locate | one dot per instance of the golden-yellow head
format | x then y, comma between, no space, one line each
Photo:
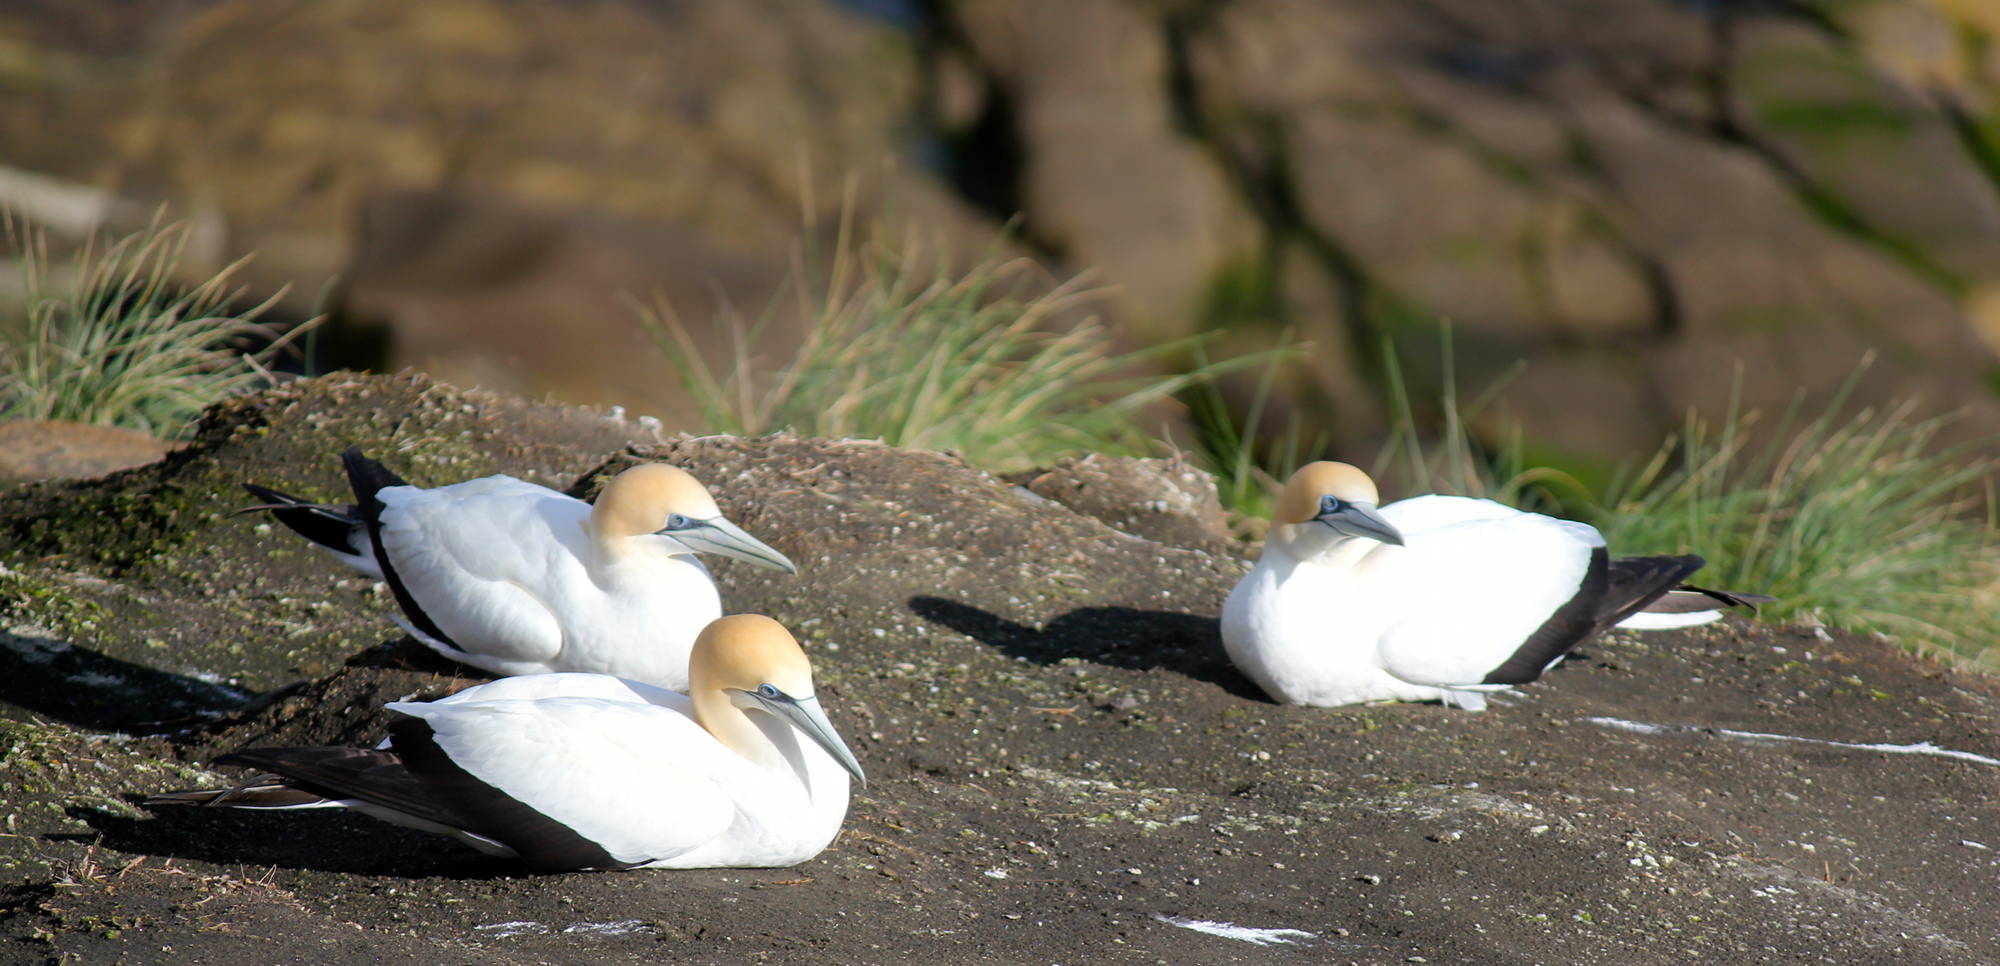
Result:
743,652
1300,500
748,663
642,499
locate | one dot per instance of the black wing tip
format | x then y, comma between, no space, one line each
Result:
1682,566
269,759
367,476
1636,582
543,843
1564,629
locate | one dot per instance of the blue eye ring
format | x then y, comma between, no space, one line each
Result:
677,522
768,691
1329,504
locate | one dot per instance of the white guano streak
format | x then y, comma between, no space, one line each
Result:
1230,930
1920,748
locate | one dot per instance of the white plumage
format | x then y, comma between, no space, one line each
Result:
1435,598
574,771
516,578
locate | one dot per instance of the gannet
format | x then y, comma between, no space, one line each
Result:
587,771
1434,598
516,578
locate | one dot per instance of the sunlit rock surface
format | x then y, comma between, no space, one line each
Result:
1063,766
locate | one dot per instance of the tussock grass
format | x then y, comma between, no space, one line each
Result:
114,339
993,362
1251,465
1855,517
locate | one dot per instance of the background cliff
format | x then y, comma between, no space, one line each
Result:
1638,197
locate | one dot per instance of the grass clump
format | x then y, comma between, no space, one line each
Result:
991,362
115,339
1856,518
1251,465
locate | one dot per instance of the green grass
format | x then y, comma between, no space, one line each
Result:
115,339
1855,517
1248,463
996,363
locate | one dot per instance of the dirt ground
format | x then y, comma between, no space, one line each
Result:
1063,766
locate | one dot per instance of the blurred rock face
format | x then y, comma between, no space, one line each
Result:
1634,197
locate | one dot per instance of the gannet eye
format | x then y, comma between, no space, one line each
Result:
767,691
676,522
1329,504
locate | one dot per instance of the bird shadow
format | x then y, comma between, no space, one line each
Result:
75,685
317,839
1124,637
406,653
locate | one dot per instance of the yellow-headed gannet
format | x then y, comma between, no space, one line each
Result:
516,578
588,771
1434,598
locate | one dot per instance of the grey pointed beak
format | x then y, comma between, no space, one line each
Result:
718,536
1357,519
806,715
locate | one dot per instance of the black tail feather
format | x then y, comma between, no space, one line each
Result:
332,527
1688,598
257,791
369,775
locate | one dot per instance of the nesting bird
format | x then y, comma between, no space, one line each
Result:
1434,598
588,771
516,578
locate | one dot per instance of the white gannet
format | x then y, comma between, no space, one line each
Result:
516,578
1434,598
588,771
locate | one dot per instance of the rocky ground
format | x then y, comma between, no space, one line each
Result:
1063,766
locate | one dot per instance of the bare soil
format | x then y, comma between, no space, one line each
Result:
1063,766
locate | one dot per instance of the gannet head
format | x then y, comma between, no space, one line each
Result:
654,498
752,663
1330,503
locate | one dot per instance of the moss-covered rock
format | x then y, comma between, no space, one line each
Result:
203,592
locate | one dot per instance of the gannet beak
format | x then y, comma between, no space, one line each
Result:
1358,519
805,714
717,535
